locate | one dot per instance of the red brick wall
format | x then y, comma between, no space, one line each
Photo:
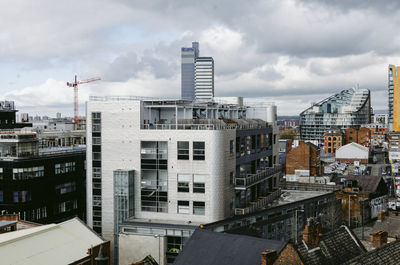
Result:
288,256
303,157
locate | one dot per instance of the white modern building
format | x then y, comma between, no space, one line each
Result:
155,166
204,78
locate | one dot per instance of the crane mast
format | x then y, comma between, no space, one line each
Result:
75,86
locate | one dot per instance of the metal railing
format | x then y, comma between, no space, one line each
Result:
243,182
262,202
206,126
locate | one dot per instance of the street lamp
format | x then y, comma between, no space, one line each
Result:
350,208
295,223
159,256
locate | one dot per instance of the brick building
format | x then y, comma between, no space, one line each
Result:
333,139
379,133
361,136
306,156
365,195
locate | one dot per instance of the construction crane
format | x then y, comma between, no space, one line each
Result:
75,86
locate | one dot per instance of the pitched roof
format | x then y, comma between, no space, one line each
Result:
365,182
387,254
335,247
355,145
208,248
66,243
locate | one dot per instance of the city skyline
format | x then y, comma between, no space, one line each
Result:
319,49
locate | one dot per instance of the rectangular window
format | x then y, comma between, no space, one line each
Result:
198,151
22,196
66,187
199,183
183,150
1,173
183,183
96,140
64,168
1,196
96,156
28,173
183,207
199,208
231,147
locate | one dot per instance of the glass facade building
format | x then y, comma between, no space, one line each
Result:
188,58
349,108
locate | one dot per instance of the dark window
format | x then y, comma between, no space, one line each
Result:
198,151
183,182
199,208
96,163
183,207
183,150
1,196
96,148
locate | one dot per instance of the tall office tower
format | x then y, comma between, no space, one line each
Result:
184,163
349,108
188,56
204,78
394,98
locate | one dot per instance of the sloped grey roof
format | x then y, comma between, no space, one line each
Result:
365,182
335,247
211,248
389,254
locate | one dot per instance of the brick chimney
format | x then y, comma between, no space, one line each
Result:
311,233
378,239
268,257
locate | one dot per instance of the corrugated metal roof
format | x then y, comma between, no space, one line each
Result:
7,223
62,243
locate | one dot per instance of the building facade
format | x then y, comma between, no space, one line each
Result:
360,136
349,108
394,95
303,160
41,185
204,78
333,139
188,58
211,163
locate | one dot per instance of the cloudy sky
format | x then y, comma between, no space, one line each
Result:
287,51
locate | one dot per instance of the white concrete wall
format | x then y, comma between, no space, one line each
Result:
133,248
121,137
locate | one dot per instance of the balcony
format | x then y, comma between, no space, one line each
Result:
261,202
243,182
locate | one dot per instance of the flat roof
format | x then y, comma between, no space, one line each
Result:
290,196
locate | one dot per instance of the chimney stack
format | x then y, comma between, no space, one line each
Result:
268,257
311,233
378,239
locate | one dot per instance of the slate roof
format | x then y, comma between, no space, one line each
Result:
388,254
212,248
335,247
365,182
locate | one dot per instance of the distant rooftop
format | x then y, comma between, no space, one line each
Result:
63,243
290,196
7,106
